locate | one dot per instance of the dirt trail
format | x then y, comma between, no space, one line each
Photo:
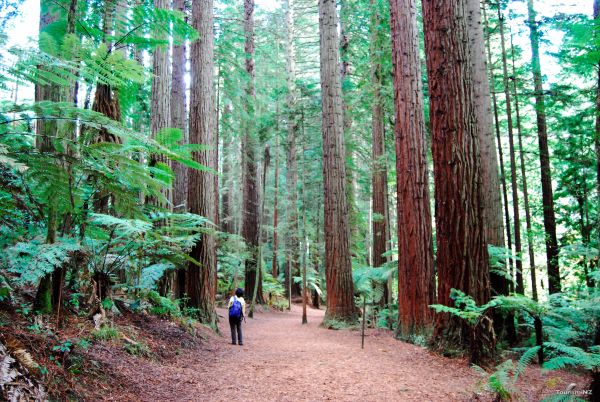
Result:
283,360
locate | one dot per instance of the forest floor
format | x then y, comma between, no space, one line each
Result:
281,360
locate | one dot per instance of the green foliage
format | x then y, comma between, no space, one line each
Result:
562,356
339,324
34,259
163,306
370,282
466,308
388,317
106,333
502,381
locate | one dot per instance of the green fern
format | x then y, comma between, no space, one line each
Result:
34,259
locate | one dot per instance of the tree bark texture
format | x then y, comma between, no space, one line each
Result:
202,280
250,220
462,256
160,103
178,116
226,220
552,250
416,290
338,269
490,176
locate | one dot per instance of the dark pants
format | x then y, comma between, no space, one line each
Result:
236,327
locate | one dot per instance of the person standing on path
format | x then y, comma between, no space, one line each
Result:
237,312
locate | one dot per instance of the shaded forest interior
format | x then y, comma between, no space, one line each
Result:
429,171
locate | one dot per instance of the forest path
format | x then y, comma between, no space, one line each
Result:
283,360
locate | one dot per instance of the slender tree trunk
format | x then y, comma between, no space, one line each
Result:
275,270
292,243
534,292
305,246
251,211
338,269
202,280
520,288
227,219
415,260
255,295
462,256
552,250
500,286
597,131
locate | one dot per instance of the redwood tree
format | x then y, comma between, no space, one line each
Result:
462,256
178,115
338,268
547,196
250,223
178,120
202,280
415,258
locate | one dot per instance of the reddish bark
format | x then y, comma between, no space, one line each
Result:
202,280
251,212
415,258
338,269
462,256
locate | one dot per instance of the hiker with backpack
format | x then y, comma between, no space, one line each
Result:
237,313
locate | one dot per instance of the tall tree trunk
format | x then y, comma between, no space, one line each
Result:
292,243
349,140
178,116
597,130
500,286
534,292
462,256
520,288
202,280
259,267
547,197
492,202
178,120
160,103
379,173
160,119
338,269
274,269
46,131
251,217
415,261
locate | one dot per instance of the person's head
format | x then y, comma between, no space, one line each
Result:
239,292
